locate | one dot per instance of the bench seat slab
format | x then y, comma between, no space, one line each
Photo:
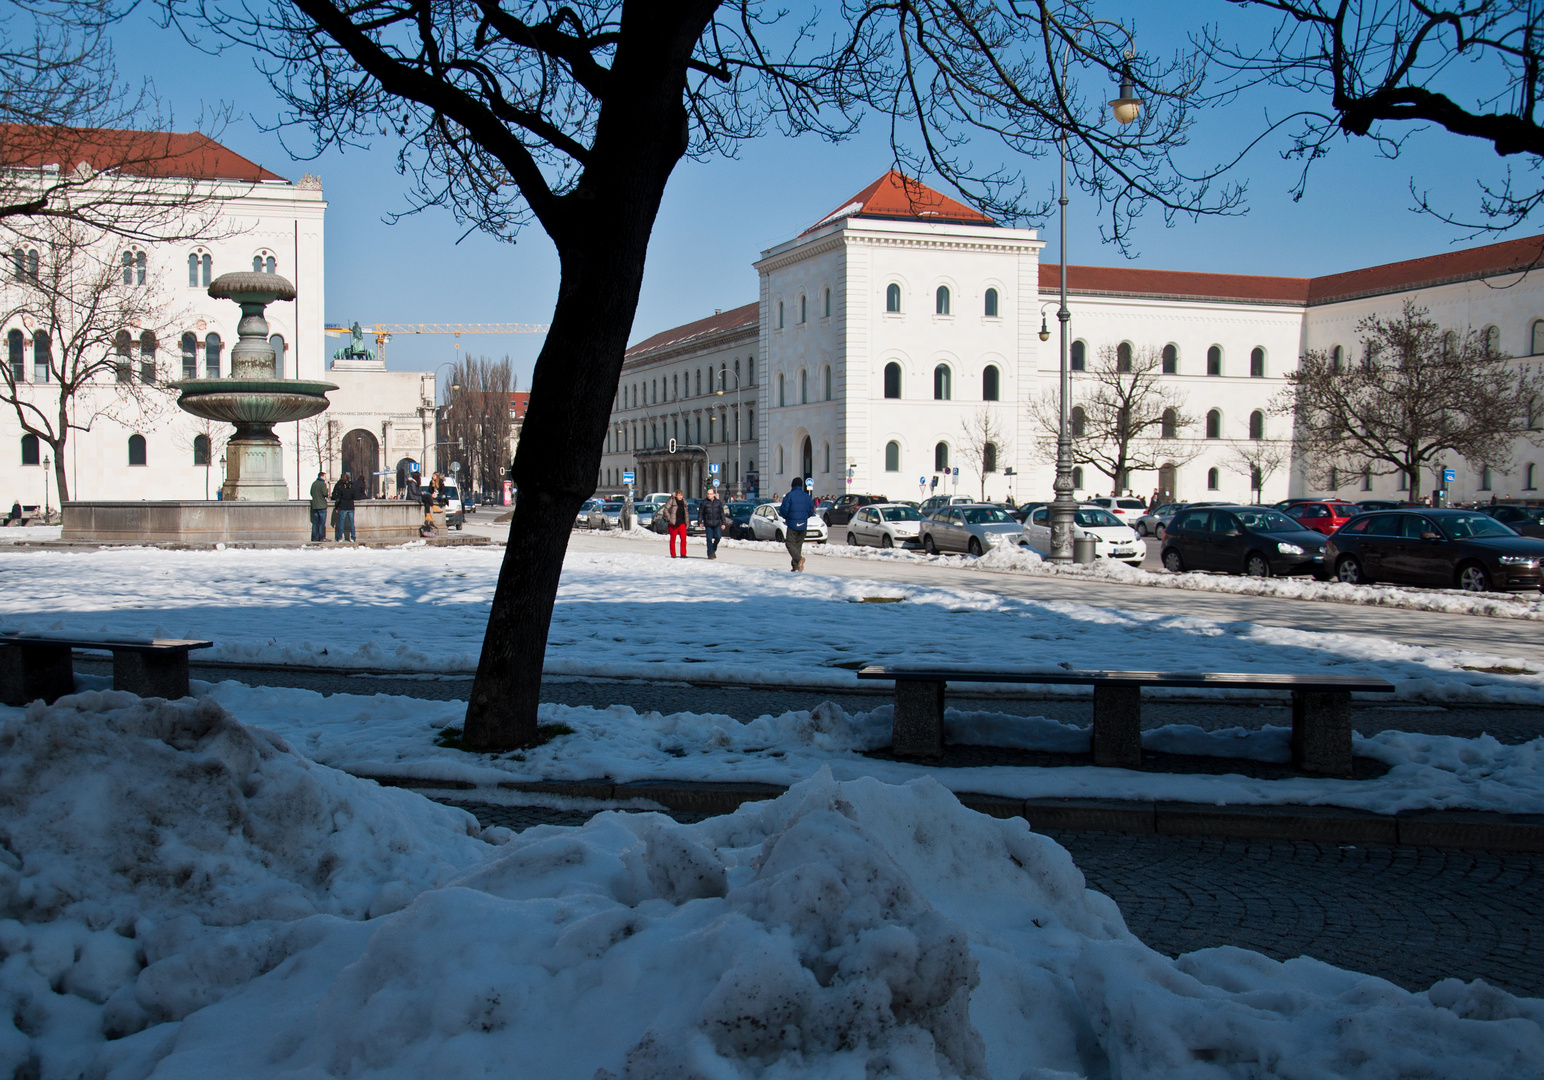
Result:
1117,734
918,727
29,672
152,674
1321,732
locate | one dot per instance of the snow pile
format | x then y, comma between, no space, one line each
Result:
843,930
155,855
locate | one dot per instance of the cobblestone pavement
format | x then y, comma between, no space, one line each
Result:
1410,915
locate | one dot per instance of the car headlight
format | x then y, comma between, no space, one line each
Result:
1289,549
1519,560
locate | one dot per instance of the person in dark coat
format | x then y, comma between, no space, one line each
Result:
710,515
319,508
676,515
343,499
796,510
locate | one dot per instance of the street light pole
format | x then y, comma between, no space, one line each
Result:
723,377
47,464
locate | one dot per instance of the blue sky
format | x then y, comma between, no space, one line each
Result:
718,215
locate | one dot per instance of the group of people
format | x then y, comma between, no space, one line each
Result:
349,489
796,509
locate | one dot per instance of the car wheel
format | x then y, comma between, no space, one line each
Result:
1349,571
1142,528
852,541
885,541
1160,532
1256,565
778,536
928,546
1172,562
975,547
1472,577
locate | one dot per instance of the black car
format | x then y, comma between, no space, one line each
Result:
738,527
841,511
1446,548
1256,540
1525,520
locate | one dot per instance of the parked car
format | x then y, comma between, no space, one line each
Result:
1113,539
973,528
450,500
738,523
606,514
1526,520
692,527
1154,522
589,506
768,524
1322,515
1445,548
1126,508
885,524
842,511
1021,512
1259,541
1364,505
933,502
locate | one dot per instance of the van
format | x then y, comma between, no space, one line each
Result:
455,516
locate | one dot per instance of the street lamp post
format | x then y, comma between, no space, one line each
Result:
47,464
1126,109
723,377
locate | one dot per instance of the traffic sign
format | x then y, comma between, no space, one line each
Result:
672,446
412,466
956,472
627,476
713,468
1449,475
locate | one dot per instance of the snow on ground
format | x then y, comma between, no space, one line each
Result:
16,533
188,896
633,615
390,736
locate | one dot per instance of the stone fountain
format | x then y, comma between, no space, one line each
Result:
255,397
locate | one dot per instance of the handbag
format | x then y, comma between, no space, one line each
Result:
334,517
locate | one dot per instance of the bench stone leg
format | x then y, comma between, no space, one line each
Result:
1321,731
29,672
162,675
918,728
1118,726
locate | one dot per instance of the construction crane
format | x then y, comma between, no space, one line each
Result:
355,350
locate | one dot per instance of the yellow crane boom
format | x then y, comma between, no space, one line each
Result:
384,331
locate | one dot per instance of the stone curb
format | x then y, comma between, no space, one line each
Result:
240,545
1470,829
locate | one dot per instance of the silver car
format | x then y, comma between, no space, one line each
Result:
973,528
885,524
605,514
583,518
768,524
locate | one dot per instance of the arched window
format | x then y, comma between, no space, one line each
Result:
675,387
991,380
1214,360
1530,477
699,382
941,457
1214,424
893,456
29,450
1213,479
1079,422
941,300
1449,342
989,457
276,343
1485,478
1536,340
991,303
780,461
1337,359
1492,338
189,356
827,311
264,263
201,449
782,396
123,345
136,450
212,348
147,349
193,270
943,389
1171,359
804,308
1078,357
892,297
1366,478
1257,425
134,267
42,356
1257,363
826,447
826,379
807,459
16,347
779,314
1077,477
1170,425
804,387
1123,357
892,380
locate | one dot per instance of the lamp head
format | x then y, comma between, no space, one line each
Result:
1128,106
1045,331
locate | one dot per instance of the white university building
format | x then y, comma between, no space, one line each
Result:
139,444
886,330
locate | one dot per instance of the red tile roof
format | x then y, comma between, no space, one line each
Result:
722,322
519,401
188,155
897,196
1509,256
1133,281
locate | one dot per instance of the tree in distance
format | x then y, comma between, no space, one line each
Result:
1260,459
477,421
1417,394
1131,419
984,440
574,116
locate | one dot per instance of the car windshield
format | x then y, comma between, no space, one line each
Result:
449,491
1534,514
1267,521
1091,517
985,515
1468,526
900,513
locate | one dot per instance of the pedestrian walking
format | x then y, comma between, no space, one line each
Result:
710,515
319,508
676,516
343,508
1152,504
796,511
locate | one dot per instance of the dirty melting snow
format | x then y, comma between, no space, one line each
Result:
189,897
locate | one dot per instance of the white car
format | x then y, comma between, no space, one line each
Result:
885,524
1112,540
1126,508
768,524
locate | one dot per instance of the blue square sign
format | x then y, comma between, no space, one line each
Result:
627,476
1449,475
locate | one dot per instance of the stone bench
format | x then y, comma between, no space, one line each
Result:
1321,708
42,665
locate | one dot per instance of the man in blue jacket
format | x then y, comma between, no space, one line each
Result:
796,510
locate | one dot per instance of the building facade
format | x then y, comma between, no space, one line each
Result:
898,340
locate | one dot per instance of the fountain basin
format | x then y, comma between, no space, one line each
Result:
247,402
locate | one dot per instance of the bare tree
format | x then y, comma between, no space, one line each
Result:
1384,68
1417,393
205,439
1125,417
984,441
95,334
575,114
477,419
317,435
1260,459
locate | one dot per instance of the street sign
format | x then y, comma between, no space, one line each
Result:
956,473
455,466
713,468
627,476
412,466
1449,475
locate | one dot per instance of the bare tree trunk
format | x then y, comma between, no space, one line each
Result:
61,479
